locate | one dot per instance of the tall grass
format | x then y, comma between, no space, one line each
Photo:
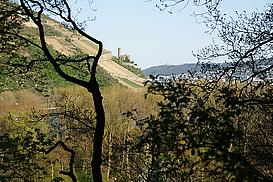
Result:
19,101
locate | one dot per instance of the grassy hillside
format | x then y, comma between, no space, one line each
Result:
41,75
133,69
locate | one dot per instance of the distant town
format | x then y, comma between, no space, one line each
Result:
214,71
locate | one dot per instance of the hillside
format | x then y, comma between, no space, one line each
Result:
169,69
69,43
209,70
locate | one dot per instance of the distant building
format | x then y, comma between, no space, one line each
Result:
120,52
123,57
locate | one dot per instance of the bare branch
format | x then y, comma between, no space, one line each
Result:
71,161
38,22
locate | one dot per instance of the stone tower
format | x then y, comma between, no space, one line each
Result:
120,52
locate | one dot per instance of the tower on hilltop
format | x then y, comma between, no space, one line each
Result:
120,52
123,57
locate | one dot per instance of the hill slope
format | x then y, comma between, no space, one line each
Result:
169,69
68,43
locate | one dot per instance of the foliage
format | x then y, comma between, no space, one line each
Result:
11,22
85,177
203,133
22,150
134,69
121,131
198,134
216,124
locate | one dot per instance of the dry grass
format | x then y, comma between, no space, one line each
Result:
19,101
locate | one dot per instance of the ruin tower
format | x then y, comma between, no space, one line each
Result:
120,52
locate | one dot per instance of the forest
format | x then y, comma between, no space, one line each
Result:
63,118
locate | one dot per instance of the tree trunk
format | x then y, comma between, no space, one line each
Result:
99,131
109,155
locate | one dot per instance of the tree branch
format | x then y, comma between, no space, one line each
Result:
45,49
71,161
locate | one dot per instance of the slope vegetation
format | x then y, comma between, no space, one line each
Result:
68,43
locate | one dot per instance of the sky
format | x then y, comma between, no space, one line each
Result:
152,37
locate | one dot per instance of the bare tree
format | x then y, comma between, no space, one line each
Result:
34,11
171,5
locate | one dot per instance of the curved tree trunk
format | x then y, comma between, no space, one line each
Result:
99,131
39,7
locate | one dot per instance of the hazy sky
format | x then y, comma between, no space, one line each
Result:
152,37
